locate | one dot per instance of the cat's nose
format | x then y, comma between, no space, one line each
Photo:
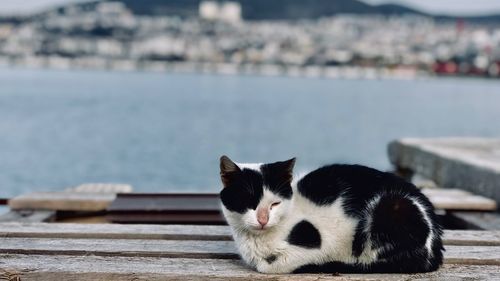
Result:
262,221
262,217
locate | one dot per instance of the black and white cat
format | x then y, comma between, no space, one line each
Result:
338,218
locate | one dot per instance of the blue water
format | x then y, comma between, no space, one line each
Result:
165,132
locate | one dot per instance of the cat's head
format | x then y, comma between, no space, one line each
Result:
255,197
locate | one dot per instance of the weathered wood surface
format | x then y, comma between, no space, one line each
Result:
456,199
486,255
187,232
116,231
41,251
49,268
472,164
124,247
86,197
28,216
101,188
63,201
166,208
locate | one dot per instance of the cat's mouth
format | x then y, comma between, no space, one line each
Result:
261,228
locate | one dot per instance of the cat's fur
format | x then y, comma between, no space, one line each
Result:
338,218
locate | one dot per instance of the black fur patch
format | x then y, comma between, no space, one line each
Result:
243,191
304,234
360,238
271,259
278,177
399,224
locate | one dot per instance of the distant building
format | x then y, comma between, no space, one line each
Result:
112,8
223,11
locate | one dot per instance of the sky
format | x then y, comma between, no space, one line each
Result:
459,7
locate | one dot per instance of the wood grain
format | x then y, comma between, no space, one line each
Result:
28,216
187,232
115,231
101,188
49,268
63,201
456,199
120,247
480,255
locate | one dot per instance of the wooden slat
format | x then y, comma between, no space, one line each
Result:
95,268
187,232
165,202
471,238
183,217
478,255
166,208
115,231
120,247
102,188
486,255
456,199
63,201
28,216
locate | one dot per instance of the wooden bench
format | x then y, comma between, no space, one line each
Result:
41,251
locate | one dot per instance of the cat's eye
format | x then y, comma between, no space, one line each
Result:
275,204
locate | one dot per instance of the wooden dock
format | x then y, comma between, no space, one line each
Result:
466,172
41,251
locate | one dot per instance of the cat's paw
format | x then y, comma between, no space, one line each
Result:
265,267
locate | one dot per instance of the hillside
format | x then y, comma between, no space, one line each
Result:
273,10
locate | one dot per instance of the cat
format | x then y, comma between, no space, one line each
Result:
336,219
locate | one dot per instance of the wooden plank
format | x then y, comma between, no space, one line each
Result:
478,255
166,202
187,232
486,255
189,218
28,216
95,268
116,231
471,238
166,208
63,201
472,164
102,188
456,199
120,247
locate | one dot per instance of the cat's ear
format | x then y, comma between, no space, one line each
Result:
228,169
284,168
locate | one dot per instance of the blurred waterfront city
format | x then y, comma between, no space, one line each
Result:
216,38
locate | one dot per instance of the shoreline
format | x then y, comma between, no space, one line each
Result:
263,70
266,70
